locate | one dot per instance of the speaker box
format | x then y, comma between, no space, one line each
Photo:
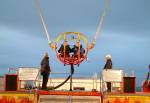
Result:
11,82
129,84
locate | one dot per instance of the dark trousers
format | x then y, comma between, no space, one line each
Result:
45,79
108,86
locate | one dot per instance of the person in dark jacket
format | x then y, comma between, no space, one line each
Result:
45,70
61,49
75,50
108,65
67,50
82,50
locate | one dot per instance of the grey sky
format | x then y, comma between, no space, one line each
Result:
125,33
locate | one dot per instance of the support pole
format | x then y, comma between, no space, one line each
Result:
71,72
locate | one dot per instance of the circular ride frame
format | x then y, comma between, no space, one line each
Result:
71,60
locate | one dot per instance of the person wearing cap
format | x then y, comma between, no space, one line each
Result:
45,70
108,65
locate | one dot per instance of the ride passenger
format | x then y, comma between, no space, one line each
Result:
61,49
45,70
67,50
82,50
75,51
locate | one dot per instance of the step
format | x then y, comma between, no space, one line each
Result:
68,99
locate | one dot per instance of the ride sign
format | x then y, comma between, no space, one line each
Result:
28,73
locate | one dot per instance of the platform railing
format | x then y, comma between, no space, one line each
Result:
80,82
114,77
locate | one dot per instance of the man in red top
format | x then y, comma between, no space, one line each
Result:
146,84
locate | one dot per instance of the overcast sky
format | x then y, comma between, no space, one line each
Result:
125,33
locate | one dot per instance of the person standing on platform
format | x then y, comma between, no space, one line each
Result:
108,65
146,84
45,70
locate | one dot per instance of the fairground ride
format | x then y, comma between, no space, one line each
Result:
71,59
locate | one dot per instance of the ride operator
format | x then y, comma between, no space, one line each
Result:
108,65
45,70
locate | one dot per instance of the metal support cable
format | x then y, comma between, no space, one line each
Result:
37,5
105,12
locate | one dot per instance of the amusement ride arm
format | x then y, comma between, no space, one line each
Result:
105,12
37,4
